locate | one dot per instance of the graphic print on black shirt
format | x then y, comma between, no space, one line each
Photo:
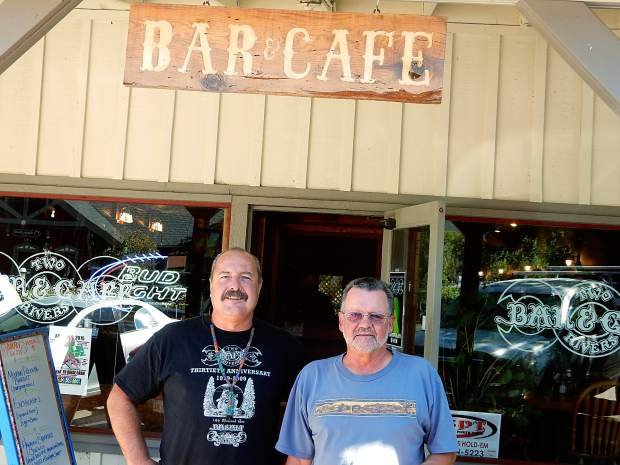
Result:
216,394
180,362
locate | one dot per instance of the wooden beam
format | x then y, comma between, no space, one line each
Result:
24,22
586,44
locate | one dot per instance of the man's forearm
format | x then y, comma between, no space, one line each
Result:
126,425
440,459
297,461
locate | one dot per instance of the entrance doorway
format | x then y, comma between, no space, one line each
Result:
307,260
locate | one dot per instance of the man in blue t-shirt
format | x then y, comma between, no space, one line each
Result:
370,405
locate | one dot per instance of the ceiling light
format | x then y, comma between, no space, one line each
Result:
513,225
156,226
124,216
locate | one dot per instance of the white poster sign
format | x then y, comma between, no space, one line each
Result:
33,428
477,433
70,349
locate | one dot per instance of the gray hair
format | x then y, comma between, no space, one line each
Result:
238,249
370,284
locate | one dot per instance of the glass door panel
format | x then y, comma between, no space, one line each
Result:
412,260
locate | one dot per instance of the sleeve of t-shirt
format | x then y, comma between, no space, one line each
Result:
441,437
141,378
295,435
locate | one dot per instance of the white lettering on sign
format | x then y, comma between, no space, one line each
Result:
409,59
159,34
248,40
51,287
289,52
200,33
583,317
164,32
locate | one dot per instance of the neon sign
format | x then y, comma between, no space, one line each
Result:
51,287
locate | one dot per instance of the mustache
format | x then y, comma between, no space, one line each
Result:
235,294
364,332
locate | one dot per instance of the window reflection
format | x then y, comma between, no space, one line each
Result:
123,270
530,325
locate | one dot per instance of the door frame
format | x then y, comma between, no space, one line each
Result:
432,214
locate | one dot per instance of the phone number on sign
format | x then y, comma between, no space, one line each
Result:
471,453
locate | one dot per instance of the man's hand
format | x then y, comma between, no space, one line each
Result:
126,425
297,461
440,459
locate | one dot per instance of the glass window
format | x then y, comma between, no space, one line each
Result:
121,270
531,330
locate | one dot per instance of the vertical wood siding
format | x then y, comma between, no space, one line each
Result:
516,123
107,103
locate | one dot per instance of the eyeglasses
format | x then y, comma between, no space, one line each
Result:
373,318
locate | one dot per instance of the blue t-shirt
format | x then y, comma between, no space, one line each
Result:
338,418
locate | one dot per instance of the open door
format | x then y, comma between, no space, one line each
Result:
412,260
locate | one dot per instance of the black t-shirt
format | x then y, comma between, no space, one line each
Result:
179,361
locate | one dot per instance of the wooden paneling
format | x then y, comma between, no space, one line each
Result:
194,139
516,122
285,146
376,153
584,182
473,89
605,151
20,96
458,12
424,152
240,142
421,167
330,162
515,118
107,102
149,134
538,120
562,128
65,73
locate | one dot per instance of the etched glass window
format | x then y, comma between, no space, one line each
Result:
530,331
104,276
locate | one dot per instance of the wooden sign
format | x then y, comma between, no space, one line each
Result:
322,54
32,423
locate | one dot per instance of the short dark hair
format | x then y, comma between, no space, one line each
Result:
370,284
238,249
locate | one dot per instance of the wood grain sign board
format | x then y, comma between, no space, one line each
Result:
319,54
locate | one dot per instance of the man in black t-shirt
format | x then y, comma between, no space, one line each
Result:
221,378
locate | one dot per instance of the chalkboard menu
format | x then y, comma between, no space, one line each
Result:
32,424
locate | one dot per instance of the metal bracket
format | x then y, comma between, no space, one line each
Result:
388,223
